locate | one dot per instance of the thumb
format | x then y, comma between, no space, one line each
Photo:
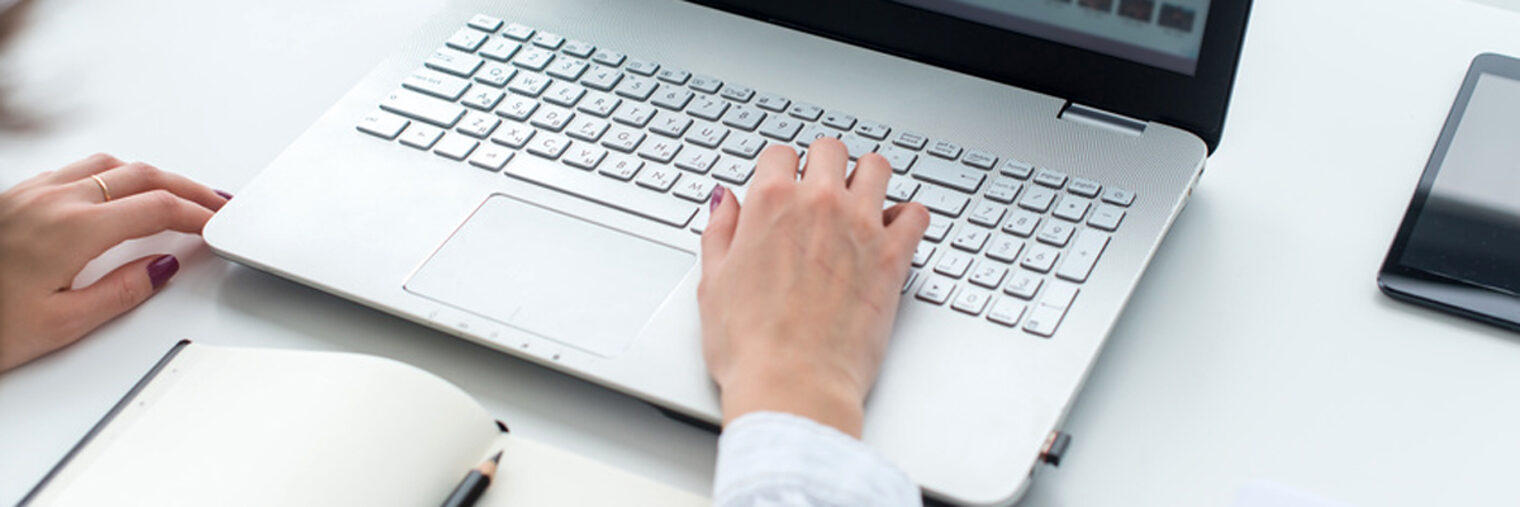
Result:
720,226
120,290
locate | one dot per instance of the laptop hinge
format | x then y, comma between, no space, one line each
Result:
1094,117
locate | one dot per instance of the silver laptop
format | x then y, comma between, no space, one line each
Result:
532,176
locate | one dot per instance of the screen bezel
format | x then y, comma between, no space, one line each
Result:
1470,298
1196,103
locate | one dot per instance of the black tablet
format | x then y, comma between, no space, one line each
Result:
1458,248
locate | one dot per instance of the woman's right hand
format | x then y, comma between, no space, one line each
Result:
54,224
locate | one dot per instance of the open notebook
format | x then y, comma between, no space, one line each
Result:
233,426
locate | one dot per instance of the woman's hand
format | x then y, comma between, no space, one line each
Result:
800,288
55,223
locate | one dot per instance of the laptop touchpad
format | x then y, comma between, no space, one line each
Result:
553,275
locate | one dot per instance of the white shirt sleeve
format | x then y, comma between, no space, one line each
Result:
777,459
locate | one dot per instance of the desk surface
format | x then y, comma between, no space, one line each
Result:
1256,347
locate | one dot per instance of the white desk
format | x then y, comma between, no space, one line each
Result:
1257,346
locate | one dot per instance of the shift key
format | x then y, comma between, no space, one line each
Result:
949,174
422,108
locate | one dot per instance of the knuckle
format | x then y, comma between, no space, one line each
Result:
103,158
162,202
125,293
144,172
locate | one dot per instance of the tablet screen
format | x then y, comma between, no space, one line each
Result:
1469,227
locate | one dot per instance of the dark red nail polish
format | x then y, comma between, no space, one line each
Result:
224,194
717,198
161,269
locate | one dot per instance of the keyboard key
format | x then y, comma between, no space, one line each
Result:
1056,233
939,227
467,39
587,128
899,158
1040,258
949,174
383,125
437,84
608,57
518,31
1072,208
1021,223
1084,187
839,120
1047,315
660,150
602,78
953,264
1037,199
1003,189
816,132
564,94
901,189
599,104
744,118
936,290
513,135
873,130
922,253
805,111
706,84
988,274
658,178
1006,312
607,191
642,67
621,167
1023,285
733,170
669,124
517,108
672,98
528,85
1082,256
1119,196
1004,248
500,50
1050,178
634,114
623,139
421,136
495,74
737,93
548,145
490,157
548,40
637,88
484,22
707,107
1017,169
585,156
910,140
706,135
533,59
1106,217
578,48
696,160
695,189
743,145
568,69
781,128
453,62
422,108
987,214
772,102
551,118
971,301
858,146
478,125
673,76
971,239
979,159
942,200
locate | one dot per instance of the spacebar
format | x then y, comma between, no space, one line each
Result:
606,191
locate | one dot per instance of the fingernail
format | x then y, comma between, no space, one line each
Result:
161,269
716,199
224,194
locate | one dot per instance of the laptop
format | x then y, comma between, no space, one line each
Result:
532,176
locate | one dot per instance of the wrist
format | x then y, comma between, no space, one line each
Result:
830,400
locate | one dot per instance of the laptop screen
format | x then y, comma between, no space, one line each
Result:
1161,33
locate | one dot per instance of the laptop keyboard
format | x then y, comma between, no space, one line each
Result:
1008,242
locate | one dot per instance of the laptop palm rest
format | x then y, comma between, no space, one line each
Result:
553,275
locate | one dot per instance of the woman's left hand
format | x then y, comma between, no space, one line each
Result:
54,224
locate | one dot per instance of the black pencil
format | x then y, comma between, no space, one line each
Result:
474,484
